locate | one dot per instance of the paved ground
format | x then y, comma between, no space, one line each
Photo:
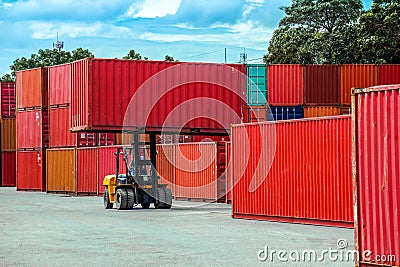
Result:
37,229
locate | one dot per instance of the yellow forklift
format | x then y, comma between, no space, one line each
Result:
139,184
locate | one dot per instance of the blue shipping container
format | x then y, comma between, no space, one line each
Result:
256,84
285,113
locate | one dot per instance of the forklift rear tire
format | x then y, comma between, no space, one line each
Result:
164,199
106,198
121,199
130,198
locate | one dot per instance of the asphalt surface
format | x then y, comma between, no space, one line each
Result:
38,229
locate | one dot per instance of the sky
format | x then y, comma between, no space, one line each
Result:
188,30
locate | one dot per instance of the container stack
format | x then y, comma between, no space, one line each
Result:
72,158
32,129
8,146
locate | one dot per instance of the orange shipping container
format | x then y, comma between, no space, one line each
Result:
321,111
32,88
60,169
196,172
8,137
126,139
166,165
360,76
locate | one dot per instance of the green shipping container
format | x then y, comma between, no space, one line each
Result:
256,84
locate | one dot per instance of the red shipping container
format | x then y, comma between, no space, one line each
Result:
107,164
165,164
255,114
59,85
388,74
31,88
86,175
32,129
31,170
321,84
376,165
360,76
197,172
297,171
208,138
103,88
285,85
7,99
229,184
8,169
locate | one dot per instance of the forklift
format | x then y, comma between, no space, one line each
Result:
136,186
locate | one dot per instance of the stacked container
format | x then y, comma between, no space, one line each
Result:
31,128
285,92
8,138
376,169
68,151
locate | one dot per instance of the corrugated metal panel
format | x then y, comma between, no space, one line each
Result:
256,84
310,176
32,88
285,85
102,90
8,137
165,164
376,165
321,84
32,129
359,76
8,168
59,128
31,173
229,184
285,113
345,110
106,139
321,111
388,74
8,100
196,171
255,114
59,85
86,178
107,164
61,170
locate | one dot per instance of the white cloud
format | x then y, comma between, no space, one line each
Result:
48,30
6,5
251,5
154,8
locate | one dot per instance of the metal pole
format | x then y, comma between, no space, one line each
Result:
225,55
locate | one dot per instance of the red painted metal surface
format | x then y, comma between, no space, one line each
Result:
31,170
285,85
376,169
59,85
8,100
103,88
107,164
388,74
8,169
321,84
310,176
255,114
32,129
32,88
228,165
8,135
197,172
360,76
165,163
86,175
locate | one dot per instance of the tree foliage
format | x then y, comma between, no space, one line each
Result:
132,55
6,78
317,32
48,57
170,58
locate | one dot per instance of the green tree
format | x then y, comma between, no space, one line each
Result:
170,58
316,32
132,55
380,33
48,57
6,78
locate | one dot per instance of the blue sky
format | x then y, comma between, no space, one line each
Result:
188,30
